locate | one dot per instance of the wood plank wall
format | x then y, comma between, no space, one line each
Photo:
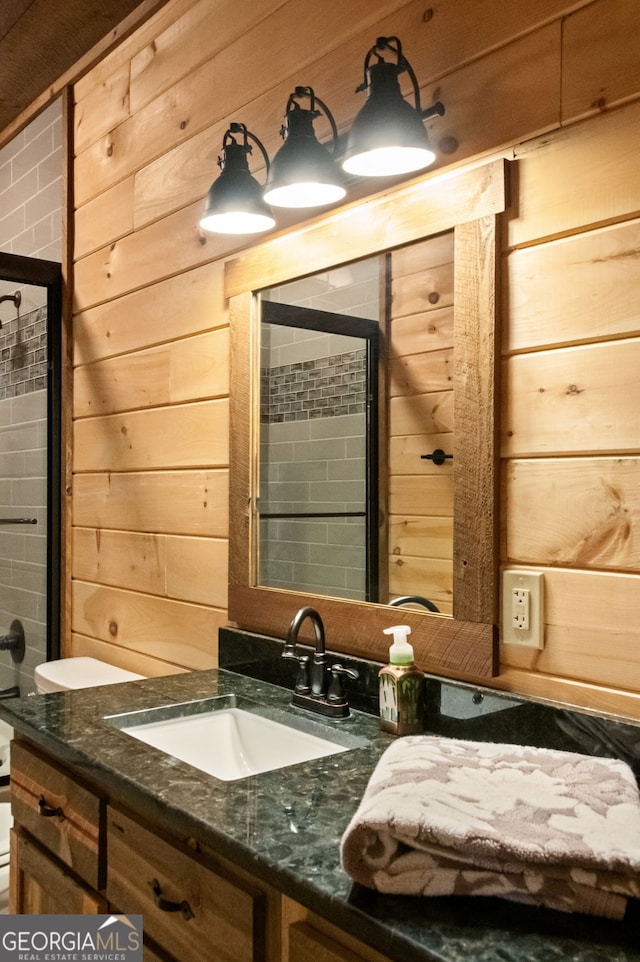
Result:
553,85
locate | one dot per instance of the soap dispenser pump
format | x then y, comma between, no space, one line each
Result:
401,687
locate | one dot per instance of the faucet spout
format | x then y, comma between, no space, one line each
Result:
296,624
317,669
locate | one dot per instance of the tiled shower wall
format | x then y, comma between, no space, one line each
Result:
31,168
31,189
313,458
313,443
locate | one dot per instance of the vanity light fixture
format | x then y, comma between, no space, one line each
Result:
304,173
235,202
388,134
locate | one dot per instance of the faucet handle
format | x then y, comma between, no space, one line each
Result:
336,693
303,682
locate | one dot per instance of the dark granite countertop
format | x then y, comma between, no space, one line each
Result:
285,826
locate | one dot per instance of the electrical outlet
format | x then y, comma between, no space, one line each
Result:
522,608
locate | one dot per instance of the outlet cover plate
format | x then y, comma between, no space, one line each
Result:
533,583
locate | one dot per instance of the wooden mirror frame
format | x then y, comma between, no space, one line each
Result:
469,202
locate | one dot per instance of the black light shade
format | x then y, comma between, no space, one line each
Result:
388,135
235,204
303,172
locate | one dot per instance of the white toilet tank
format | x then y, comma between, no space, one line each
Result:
79,672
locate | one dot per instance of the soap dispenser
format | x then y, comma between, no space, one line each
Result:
401,687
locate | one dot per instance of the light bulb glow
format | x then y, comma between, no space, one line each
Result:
304,194
236,222
386,161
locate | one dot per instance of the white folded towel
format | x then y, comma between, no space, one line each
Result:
443,816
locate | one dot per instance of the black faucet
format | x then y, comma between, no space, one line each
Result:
312,688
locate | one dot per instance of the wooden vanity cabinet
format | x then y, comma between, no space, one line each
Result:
189,908
309,937
73,851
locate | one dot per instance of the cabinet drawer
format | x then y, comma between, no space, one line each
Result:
65,816
41,886
190,910
306,942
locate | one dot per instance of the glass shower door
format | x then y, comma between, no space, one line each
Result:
29,469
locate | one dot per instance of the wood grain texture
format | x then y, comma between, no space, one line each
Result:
184,370
441,644
227,919
579,512
611,72
305,943
188,435
475,527
575,400
577,289
74,835
166,502
585,176
176,632
189,303
190,569
148,665
40,886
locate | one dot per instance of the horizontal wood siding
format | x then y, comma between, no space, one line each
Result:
553,86
571,397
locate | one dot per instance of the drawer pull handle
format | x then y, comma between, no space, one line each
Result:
165,905
47,811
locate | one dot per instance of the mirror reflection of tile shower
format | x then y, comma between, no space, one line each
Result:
318,514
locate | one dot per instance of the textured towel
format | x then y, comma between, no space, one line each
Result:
441,816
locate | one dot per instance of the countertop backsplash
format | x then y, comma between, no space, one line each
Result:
453,709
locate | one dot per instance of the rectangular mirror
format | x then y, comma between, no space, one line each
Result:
422,404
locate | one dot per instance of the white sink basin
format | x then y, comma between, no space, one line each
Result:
227,742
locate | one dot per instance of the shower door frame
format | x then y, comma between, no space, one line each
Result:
48,274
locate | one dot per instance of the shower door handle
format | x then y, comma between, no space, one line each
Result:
18,520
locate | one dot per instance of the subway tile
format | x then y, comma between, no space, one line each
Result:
31,155
352,492
50,169
347,469
13,223
13,466
24,243
342,556
51,116
43,202
22,189
318,450
302,471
